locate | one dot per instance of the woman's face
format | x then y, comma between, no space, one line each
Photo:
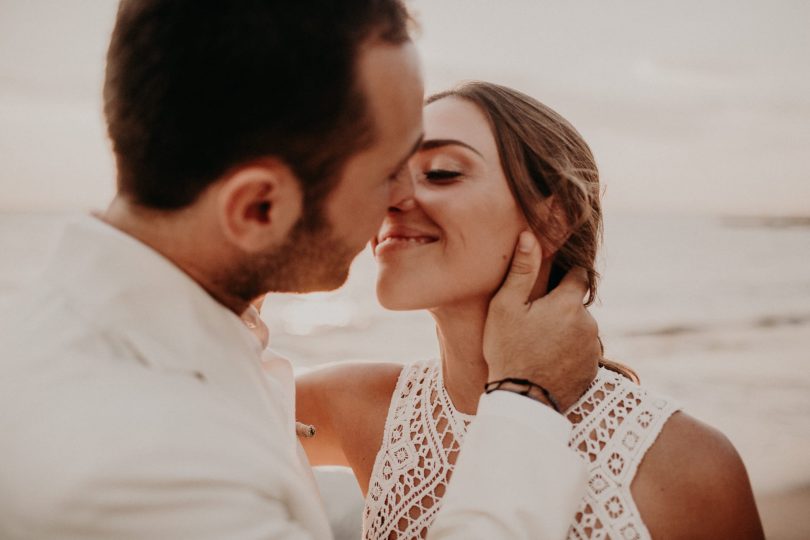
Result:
451,239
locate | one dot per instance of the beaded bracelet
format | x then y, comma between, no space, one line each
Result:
527,384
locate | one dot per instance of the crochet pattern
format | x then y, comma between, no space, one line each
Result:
614,424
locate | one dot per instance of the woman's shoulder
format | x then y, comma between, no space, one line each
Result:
357,380
357,386
690,481
348,403
689,452
693,481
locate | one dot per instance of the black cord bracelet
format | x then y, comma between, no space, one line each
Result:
528,385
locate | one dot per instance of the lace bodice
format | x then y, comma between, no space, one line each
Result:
614,424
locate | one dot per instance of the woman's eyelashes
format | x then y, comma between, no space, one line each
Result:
439,176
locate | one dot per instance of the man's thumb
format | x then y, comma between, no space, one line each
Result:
525,266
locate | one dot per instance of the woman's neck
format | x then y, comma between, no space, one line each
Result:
460,329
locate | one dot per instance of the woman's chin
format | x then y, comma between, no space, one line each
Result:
398,303
398,299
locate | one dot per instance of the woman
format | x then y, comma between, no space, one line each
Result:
495,162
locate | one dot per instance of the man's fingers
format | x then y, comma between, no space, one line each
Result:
574,284
523,272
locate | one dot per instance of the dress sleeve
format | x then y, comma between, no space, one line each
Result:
515,478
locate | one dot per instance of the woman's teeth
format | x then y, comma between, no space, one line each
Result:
406,240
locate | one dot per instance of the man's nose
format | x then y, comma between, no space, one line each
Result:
402,191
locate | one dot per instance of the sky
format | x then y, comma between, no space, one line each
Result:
695,107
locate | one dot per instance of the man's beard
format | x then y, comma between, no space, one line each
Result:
311,259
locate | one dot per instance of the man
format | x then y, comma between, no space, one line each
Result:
257,146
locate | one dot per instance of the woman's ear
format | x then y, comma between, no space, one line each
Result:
258,204
556,227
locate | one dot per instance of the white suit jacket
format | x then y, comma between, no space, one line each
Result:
134,406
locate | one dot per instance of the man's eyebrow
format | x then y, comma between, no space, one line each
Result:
438,143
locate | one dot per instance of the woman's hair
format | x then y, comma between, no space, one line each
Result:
543,156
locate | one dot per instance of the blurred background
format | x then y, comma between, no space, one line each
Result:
699,116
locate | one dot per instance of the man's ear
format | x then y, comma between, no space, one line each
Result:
556,228
258,203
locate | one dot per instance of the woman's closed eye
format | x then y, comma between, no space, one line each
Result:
439,176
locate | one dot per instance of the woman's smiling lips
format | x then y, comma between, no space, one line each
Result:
398,237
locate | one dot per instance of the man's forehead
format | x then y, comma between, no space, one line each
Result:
414,149
391,78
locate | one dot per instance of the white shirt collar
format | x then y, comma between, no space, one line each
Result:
141,300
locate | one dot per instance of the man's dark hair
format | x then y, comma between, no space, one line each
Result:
196,87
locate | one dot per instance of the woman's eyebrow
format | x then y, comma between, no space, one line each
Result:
438,143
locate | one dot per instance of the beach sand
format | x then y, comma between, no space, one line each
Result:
785,514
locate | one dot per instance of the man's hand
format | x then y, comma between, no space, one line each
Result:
552,341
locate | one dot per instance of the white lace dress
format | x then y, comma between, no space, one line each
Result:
614,424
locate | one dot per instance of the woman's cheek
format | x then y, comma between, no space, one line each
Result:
488,266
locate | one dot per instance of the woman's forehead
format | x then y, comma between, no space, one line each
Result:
453,118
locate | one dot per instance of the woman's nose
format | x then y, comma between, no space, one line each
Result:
402,192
